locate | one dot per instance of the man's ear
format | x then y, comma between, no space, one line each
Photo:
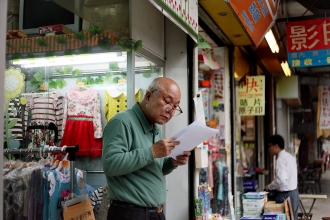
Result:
147,96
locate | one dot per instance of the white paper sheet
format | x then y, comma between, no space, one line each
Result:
190,137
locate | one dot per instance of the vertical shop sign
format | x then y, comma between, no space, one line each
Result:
184,13
325,108
256,16
308,43
251,96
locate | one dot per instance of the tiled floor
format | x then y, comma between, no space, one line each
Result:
321,207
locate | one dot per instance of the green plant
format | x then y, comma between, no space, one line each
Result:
95,30
85,49
129,44
9,45
16,56
113,66
50,54
41,42
61,40
79,36
104,43
69,52
31,56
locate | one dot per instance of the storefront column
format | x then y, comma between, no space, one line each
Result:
3,23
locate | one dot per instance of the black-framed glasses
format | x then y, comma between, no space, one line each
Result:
169,108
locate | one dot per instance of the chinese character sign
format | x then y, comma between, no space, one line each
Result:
308,43
255,16
184,13
325,108
251,96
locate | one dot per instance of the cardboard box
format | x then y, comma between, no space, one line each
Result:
256,195
56,28
257,210
272,206
253,203
274,216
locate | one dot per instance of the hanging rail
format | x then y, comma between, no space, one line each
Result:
71,150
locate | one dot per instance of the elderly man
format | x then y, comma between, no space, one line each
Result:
135,156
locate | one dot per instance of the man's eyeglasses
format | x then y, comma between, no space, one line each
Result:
169,108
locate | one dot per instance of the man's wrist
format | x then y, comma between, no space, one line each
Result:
174,164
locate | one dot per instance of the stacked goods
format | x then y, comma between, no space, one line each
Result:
203,202
278,211
253,204
250,185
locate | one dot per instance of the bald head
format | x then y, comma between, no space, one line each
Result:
161,95
163,84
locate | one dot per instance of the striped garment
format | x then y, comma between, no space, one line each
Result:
15,113
44,109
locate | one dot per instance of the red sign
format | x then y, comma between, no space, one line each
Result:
308,35
255,16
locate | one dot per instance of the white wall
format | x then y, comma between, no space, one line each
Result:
177,203
147,24
3,23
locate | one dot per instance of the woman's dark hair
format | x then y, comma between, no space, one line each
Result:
276,139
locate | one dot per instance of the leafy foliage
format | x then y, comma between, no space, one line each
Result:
61,40
31,56
69,52
50,54
104,43
41,42
9,45
79,36
95,30
113,66
16,56
85,49
129,44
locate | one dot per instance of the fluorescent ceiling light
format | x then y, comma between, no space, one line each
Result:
137,64
286,68
74,60
272,43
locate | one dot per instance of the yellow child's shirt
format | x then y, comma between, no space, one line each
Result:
117,101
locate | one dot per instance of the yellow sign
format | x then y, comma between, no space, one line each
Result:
251,96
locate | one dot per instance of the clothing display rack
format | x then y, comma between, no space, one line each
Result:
71,150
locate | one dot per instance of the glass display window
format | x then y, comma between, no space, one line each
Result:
69,100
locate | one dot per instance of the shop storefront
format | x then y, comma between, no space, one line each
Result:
52,81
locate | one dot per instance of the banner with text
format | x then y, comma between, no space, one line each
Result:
184,13
256,16
251,96
308,43
325,108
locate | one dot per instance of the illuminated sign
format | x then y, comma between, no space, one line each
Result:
308,43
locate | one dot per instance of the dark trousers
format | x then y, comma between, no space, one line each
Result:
294,199
130,213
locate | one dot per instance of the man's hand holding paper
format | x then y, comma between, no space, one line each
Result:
190,137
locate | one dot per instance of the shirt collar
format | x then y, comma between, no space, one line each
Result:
281,153
144,121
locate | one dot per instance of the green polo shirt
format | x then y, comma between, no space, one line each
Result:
133,175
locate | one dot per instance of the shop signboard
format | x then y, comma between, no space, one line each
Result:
308,43
256,16
184,13
325,108
251,96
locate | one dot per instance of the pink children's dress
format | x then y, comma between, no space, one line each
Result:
82,122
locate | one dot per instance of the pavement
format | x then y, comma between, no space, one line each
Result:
321,207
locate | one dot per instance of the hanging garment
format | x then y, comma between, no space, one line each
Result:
15,113
59,182
44,109
100,202
115,100
82,122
